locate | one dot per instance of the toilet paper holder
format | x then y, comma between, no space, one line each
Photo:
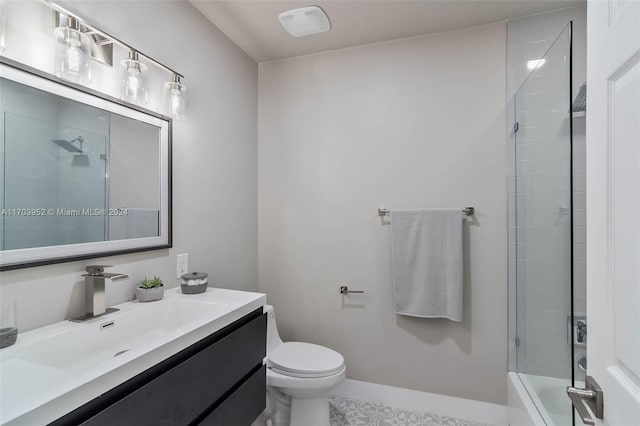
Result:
345,290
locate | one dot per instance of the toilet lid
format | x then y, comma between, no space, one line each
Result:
298,358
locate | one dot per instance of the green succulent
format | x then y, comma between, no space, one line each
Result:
151,283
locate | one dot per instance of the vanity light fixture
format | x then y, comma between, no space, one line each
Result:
175,98
72,53
76,41
133,76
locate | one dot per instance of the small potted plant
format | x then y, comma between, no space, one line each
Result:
149,290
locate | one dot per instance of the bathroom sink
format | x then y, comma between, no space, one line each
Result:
54,369
134,327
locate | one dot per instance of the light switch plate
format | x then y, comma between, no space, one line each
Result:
182,265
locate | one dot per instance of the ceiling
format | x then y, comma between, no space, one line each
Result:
253,24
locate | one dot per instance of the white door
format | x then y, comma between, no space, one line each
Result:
613,206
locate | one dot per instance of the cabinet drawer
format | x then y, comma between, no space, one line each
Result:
184,392
244,405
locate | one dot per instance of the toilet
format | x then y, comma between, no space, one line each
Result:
299,378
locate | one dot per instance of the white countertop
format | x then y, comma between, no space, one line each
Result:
52,370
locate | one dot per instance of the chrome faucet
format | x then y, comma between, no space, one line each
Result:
96,301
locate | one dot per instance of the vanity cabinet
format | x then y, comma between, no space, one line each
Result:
219,380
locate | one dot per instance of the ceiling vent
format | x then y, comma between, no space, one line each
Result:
305,21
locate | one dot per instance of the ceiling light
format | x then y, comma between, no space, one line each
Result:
305,21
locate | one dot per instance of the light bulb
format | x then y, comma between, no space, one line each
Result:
133,80
74,59
175,98
177,103
133,85
72,53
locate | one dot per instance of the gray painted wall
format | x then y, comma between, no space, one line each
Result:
409,123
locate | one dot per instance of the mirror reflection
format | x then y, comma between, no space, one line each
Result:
73,173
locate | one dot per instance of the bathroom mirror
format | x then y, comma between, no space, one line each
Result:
83,175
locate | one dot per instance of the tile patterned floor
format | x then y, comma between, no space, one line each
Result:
351,412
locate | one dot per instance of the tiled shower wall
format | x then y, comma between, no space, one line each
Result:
528,38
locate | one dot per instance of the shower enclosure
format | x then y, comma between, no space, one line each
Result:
547,329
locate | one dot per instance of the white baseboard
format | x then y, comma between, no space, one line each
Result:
477,411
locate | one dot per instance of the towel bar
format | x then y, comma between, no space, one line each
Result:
469,211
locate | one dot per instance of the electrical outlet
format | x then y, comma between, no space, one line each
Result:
182,265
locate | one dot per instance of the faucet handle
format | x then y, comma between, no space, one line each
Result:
96,269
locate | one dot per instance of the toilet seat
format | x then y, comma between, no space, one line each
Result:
311,384
304,360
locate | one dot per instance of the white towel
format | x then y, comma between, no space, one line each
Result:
427,262
142,223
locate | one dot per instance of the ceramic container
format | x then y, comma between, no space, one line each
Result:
194,282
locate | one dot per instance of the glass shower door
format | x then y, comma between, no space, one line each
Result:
544,231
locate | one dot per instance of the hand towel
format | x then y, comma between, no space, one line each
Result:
427,262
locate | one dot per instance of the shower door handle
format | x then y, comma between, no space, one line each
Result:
591,396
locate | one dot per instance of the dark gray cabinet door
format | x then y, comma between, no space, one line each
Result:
243,406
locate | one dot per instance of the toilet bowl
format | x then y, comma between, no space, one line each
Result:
299,378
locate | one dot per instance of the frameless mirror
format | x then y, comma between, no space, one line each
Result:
83,175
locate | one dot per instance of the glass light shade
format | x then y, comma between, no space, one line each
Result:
175,100
72,55
133,81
